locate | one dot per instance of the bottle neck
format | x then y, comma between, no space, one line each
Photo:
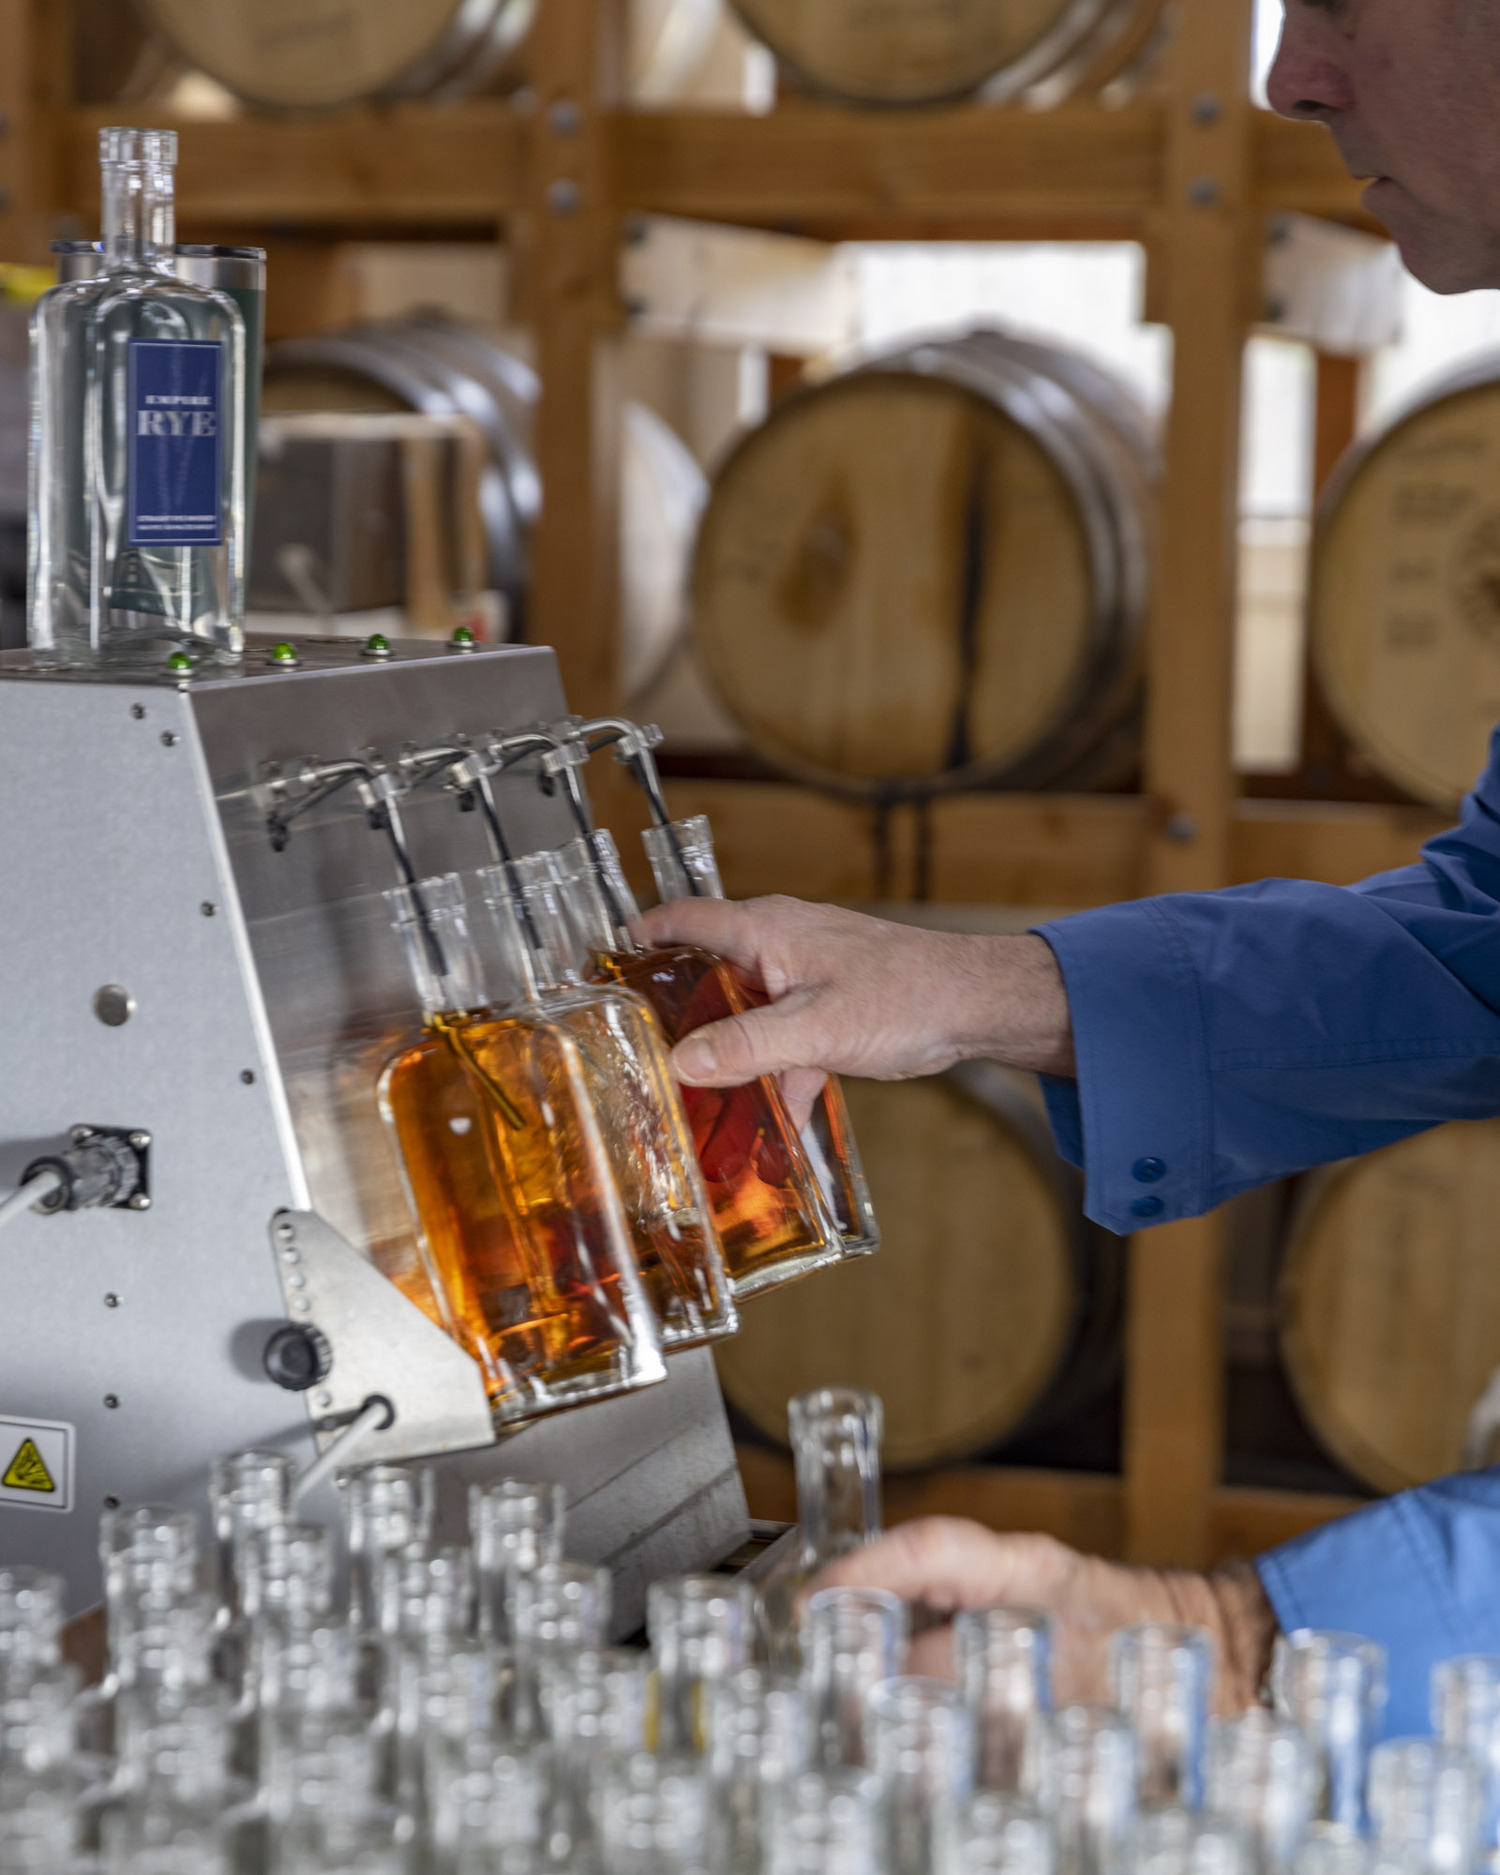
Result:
139,217
836,1452
683,860
439,950
596,894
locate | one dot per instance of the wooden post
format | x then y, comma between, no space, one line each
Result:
33,66
571,250
1210,249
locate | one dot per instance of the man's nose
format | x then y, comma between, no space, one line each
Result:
1308,77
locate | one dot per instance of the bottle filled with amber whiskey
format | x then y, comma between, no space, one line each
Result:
646,1133
523,1229
772,1218
685,865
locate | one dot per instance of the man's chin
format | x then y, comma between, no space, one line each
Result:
1443,255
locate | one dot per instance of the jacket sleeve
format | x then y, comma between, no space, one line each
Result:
1415,1572
1228,1038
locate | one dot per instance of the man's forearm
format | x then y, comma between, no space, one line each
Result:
1017,1005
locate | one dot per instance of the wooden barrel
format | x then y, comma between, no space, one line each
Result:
914,52
1404,605
306,54
932,572
993,1304
442,368
1390,1302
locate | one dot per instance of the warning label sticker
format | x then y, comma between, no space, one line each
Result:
36,1464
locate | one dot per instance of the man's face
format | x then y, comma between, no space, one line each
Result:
1410,90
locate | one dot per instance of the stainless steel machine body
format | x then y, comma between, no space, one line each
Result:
170,973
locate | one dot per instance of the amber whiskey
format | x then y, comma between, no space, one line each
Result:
523,1230
772,1220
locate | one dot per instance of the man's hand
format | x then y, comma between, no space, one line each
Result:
948,1564
856,995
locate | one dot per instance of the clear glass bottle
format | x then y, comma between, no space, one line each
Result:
522,1226
1466,1715
1333,1686
773,1221
137,504
645,1130
852,1639
1080,1768
919,1742
516,1526
702,1628
1162,1676
1261,1774
685,865
1004,1661
835,1433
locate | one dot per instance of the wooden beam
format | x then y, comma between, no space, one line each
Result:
570,245
1084,1509
1025,849
35,58
406,164
866,167
1298,166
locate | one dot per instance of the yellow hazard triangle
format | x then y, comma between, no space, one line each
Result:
27,1471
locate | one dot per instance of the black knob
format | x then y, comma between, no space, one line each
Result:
298,1357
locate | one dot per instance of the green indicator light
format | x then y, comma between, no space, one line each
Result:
462,635
284,653
377,641
179,661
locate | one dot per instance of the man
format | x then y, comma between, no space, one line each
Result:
1198,1045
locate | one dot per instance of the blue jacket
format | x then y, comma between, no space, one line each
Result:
1228,1038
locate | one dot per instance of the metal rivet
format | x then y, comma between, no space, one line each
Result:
111,1400
78,1134
296,1280
138,711
1206,108
564,197
564,119
169,740
208,908
139,1202
1203,191
113,1005
111,1502
323,1399
247,1075
301,1305
289,1255
140,1139
111,1302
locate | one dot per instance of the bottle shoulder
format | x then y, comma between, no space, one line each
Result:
144,303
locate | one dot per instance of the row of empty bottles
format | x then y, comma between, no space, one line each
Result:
579,1213
460,1709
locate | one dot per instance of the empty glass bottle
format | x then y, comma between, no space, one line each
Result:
1261,1773
516,1526
1466,1716
1080,1768
919,1742
769,1210
1004,1661
522,1226
137,540
248,1491
646,1133
836,1434
1333,1686
1427,1804
1162,1676
997,1833
852,1639
702,1628
387,1508
824,1823
685,865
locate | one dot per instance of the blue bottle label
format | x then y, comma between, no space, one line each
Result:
176,442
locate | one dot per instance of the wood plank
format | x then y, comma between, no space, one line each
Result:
1084,1509
871,166
1024,849
1336,842
1298,166
405,164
